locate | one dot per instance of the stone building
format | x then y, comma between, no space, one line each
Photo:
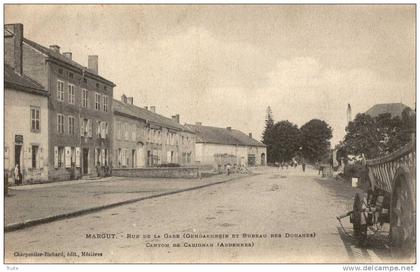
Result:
221,146
143,138
79,107
26,123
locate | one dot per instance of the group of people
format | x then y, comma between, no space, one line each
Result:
291,164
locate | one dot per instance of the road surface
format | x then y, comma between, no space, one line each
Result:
278,216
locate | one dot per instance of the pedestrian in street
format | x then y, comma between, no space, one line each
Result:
303,166
17,174
228,169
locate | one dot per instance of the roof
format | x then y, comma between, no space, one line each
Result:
21,82
149,116
216,135
55,55
395,109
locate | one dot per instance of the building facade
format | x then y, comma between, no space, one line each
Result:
143,138
25,127
221,146
79,108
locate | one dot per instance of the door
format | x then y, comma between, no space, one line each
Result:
140,155
85,161
133,158
18,150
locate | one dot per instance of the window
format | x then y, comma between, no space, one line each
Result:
98,129
34,156
60,90
105,102
70,75
35,121
97,101
60,123
73,156
85,98
71,93
60,71
71,125
60,156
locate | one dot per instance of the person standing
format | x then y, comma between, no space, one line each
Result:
303,166
17,175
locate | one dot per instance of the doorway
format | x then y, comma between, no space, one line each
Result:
133,158
263,159
18,151
85,161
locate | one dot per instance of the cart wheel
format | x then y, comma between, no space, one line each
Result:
359,225
402,231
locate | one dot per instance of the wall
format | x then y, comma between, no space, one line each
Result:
158,172
17,110
205,153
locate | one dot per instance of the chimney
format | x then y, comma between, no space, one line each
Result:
55,48
68,55
153,108
175,118
250,135
13,54
130,100
198,123
229,128
124,98
146,107
93,63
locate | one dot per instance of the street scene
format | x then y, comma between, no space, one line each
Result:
154,134
298,208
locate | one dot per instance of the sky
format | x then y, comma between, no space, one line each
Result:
222,65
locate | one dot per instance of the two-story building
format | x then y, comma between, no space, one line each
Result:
79,109
25,115
143,138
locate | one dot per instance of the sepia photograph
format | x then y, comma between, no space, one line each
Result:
210,134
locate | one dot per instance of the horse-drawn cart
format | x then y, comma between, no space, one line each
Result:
390,197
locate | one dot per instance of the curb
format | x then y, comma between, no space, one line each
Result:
39,221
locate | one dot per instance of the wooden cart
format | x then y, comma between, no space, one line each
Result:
390,198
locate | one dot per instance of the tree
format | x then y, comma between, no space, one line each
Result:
315,139
378,136
285,141
267,134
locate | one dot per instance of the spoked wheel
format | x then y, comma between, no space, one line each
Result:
403,218
358,220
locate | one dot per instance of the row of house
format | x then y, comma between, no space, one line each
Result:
62,122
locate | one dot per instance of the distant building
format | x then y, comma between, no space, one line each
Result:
221,146
395,109
349,116
79,106
143,138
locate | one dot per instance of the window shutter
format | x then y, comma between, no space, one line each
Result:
77,156
106,130
67,159
82,129
96,157
41,157
90,128
55,157
103,130
103,157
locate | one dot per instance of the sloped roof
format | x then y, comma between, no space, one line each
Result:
148,116
395,109
216,135
21,82
55,55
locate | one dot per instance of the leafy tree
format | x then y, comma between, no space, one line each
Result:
267,134
378,136
285,141
315,140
